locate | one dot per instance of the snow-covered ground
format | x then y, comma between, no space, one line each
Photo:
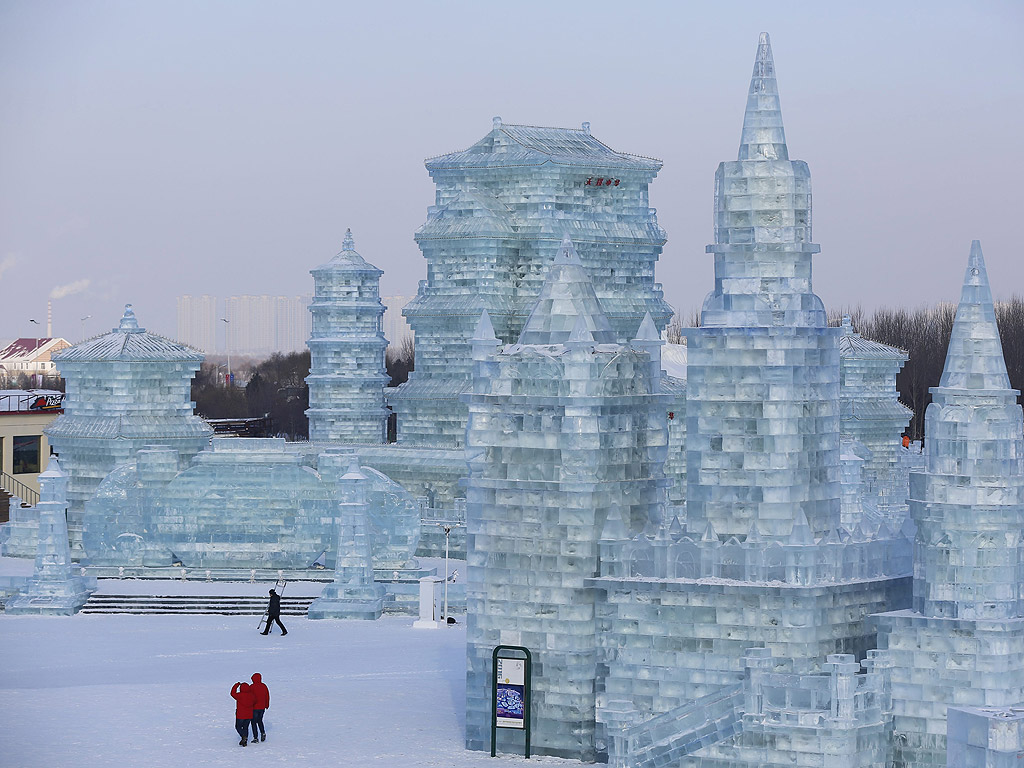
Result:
150,691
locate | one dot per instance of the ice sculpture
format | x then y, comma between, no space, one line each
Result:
870,410
502,207
393,516
347,377
963,642
353,593
125,389
244,503
762,417
984,737
563,429
54,588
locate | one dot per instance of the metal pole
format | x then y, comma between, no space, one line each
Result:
447,530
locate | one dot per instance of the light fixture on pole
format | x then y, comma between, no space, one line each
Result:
447,531
83,319
227,346
35,349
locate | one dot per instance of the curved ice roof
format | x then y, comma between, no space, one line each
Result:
853,345
348,259
130,343
511,145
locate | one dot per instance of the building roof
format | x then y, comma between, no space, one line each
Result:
129,343
526,145
28,349
348,259
854,346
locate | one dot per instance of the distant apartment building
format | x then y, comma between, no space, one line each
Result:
262,325
30,357
197,322
396,327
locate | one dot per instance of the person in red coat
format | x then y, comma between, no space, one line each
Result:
242,694
260,703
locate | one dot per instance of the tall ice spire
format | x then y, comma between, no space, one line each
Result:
974,359
763,134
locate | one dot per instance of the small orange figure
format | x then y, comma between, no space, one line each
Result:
906,441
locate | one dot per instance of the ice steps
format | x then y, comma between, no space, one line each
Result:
227,605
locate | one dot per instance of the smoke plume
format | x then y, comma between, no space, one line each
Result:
66,290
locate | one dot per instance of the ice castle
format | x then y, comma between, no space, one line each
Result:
718,554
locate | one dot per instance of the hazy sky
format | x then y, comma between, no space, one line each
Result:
152,149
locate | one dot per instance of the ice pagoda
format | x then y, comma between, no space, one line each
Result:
347,376
125,389
502,208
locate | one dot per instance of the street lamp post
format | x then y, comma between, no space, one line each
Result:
35,349
227,346
83,319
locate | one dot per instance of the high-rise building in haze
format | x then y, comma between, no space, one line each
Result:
197,322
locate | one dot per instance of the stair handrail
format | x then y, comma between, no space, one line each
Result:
15,487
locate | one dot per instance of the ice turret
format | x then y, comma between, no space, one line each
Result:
763,367
963,641
347,375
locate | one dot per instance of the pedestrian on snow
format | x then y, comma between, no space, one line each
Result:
274,613
242,694
260,703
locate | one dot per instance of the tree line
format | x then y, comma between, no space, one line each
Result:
275,388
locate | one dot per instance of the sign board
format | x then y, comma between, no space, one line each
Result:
510,679
510,693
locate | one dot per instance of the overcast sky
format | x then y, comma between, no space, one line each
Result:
153,149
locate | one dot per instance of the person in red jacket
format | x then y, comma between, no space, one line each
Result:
260,703
242,694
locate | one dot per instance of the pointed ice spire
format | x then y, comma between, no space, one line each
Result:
974,359
764,137
709,534
349,243
580,335
676,529
754,534
484,329
566,296
802,533
567,253
647,331
614,529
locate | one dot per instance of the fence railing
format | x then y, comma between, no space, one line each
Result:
15,487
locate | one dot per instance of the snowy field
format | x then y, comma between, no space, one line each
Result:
138,691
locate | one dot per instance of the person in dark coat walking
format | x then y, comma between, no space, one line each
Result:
243,697
274,613
260,703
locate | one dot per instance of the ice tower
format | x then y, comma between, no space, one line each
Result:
563,430
502,207
347,376
125,389
963,642
763,369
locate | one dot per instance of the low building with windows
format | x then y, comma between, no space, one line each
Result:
30,357
23,446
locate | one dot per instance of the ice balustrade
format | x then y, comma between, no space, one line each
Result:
867,552
841,698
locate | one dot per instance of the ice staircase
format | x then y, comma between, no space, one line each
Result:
226,605
663,740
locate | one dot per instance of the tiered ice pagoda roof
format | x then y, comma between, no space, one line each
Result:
511,145
130,343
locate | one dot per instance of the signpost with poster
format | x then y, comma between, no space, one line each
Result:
510,678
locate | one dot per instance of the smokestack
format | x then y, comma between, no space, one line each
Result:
49,319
